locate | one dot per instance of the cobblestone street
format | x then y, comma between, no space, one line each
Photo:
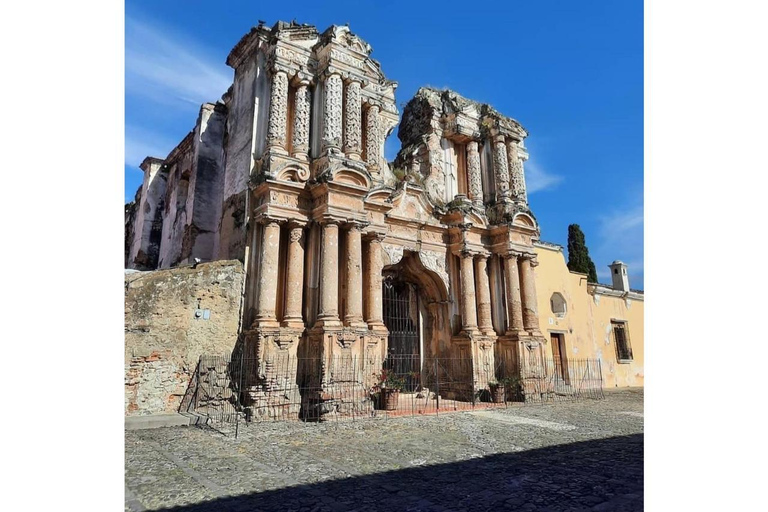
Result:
566,456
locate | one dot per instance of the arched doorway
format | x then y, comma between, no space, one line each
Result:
415,309
402,318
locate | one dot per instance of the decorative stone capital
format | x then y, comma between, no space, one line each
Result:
297,232
375,237
302,78
357,225
330,221
266,220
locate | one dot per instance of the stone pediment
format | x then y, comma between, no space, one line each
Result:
524,220
413,204
380,195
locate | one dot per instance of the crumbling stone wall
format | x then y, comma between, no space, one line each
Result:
164,338
130,222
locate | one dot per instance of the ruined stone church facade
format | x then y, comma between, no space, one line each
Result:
287,174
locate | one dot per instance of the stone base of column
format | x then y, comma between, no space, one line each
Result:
471,330
293,323
333,323
273,394
270,324
301,154
335,370
353,155
487,331
477,350
356,324
378,328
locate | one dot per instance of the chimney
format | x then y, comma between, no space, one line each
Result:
619,276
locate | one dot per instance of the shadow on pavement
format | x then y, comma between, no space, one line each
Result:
600,475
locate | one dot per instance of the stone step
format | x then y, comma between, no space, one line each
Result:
163,420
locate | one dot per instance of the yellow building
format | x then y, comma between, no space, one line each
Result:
583,320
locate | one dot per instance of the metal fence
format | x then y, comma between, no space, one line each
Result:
231,389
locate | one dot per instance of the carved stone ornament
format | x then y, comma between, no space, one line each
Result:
500,166
518,181
333,108
296,233
473,170
353,113
284,340
301,119
395,253
345,338
435,261
372,141
278,110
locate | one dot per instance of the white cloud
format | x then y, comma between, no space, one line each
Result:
620,237
622,221
537,179
166,67
141,143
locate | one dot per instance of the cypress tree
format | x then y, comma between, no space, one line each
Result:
578,254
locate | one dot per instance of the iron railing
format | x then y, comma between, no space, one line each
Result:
230,389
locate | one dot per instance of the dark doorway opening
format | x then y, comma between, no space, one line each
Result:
559,356
401,316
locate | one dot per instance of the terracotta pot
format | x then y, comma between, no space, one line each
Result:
389,399
497,394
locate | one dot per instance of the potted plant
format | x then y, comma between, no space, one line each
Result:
512,388
497,390
387,390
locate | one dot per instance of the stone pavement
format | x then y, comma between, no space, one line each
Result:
566,456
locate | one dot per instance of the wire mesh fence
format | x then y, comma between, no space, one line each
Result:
230,389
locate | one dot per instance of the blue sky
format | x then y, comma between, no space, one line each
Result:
570,72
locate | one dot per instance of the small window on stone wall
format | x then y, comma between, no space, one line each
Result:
621,338
557,303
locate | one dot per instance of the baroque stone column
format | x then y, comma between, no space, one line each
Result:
294,279
484,322
301,119
267,297
374,314
514,301
473,171
329,276
352,118
354,314
333,110
468,310
372,141
516,175
278,113
501,169
530,313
